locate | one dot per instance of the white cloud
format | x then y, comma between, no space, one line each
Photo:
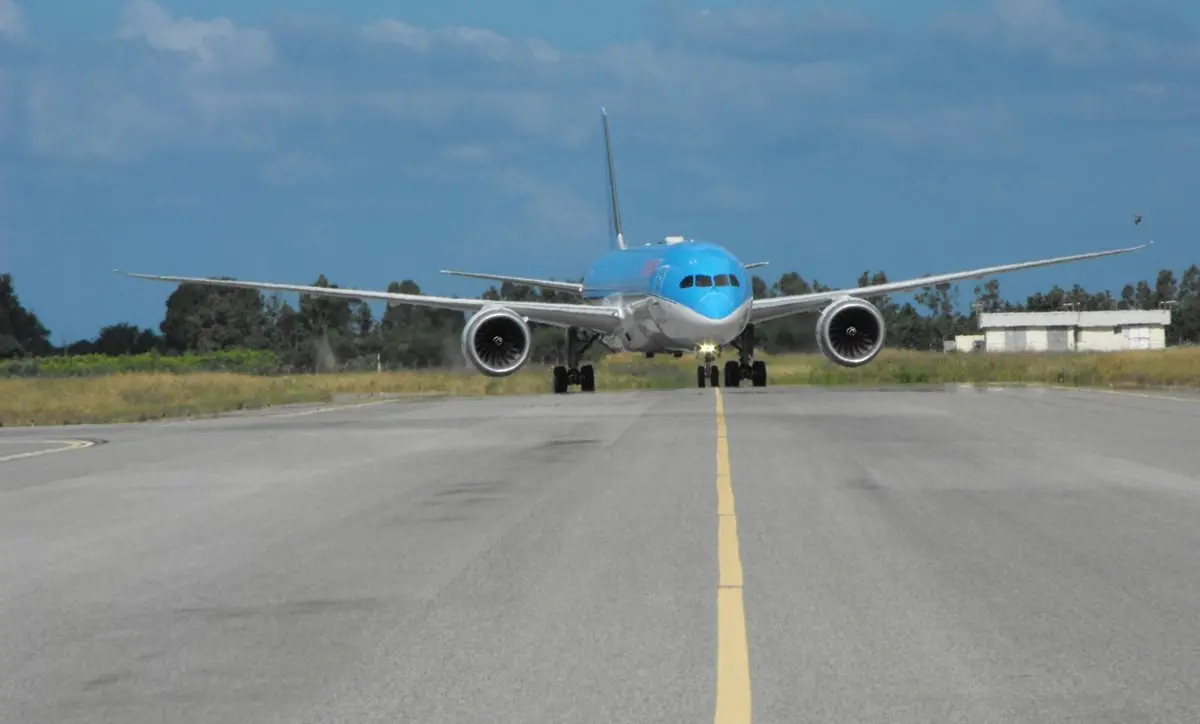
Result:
960,128
1039,26
292,168
211,44
774,34
12,20
557,215
479,42
97,117
395,31
1045,30
715,81
467,153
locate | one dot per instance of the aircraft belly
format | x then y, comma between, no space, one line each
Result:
659,325
671,324
678,326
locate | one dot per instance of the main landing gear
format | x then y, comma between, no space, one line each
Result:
745,367
578,343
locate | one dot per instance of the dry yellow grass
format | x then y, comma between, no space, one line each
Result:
144,396
141,396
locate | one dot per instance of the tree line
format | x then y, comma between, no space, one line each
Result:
323,334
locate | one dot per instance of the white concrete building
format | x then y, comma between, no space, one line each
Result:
965,343
1074,331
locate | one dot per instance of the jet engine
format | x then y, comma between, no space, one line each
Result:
850,332
496,341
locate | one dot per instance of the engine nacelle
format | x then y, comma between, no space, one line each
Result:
496,341
850,332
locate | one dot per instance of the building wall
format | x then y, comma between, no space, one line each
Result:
1071,331
1060,339
1100,339
966,342
1083,339
1104,339
994,340
1016,340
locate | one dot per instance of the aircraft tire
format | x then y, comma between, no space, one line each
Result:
587,378
758,373
714,376
733,376
560,380
701,377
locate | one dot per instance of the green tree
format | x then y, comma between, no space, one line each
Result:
201,318
22,334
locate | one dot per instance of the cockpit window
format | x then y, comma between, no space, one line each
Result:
687,282
703,280
722,280
734,280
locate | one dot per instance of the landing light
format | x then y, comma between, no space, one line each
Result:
707,348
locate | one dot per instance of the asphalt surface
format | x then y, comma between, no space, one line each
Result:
909,556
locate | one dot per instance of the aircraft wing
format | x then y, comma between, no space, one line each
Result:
775,307
756,264
527,281
586,316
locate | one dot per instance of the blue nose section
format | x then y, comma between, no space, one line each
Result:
716,305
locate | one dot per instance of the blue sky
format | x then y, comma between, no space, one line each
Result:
375,141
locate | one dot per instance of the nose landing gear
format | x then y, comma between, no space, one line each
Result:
708,371
745,367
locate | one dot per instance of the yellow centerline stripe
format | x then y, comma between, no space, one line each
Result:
733,657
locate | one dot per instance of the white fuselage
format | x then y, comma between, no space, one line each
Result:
655,324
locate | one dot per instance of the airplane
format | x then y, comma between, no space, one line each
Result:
678,296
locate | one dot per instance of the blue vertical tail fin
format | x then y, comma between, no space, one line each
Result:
614,214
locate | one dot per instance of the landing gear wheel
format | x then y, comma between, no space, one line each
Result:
733,374
746,366
701,377
571,373
758,373
714,376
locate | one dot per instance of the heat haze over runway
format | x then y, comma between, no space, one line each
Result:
904,556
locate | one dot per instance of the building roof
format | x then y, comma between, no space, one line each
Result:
1114,318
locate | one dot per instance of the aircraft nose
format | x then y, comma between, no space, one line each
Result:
716,305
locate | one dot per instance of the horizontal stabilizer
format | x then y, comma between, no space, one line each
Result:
755,264
527,281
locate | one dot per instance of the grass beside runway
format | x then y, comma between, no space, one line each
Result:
148,396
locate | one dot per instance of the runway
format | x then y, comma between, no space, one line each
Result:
904,556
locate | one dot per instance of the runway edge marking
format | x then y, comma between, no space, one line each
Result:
67,445
733,657
267,413
1127,393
